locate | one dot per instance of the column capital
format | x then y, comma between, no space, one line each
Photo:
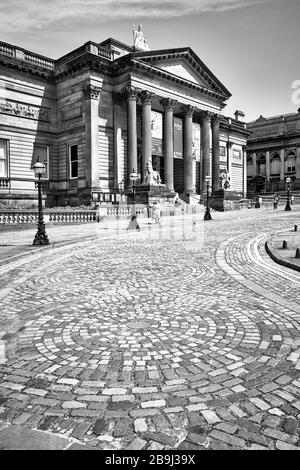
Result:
205,116
146,97
215,118
91,91
188,110
168,103
229,144
131,93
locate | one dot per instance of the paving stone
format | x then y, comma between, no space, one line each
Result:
137,444
100,426
140,425
228,439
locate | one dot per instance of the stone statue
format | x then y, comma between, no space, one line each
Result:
151,176
139,41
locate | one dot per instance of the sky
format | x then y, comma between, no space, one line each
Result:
252,46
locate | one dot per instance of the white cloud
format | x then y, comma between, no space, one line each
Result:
30,15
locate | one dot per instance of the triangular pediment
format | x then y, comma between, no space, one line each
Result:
181,69
186,65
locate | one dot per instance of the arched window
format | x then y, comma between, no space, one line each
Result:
290,163
261,165
249,166
275,164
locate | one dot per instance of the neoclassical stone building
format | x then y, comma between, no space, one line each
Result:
103,110
273,153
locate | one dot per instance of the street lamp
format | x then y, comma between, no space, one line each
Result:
207,215
288,205
133,177
41,237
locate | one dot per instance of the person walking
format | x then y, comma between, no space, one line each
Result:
156,212
275,201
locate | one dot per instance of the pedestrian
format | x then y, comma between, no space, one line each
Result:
156,212
275,201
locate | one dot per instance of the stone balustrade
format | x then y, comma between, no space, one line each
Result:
16,217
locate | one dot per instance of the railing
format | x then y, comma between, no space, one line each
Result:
7,50
39,61
55,217
26,56
4,182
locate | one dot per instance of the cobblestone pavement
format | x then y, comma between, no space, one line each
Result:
176,337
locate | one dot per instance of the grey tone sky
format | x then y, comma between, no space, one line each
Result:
252,46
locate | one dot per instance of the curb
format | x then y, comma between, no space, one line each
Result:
271,252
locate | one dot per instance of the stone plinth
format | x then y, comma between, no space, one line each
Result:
222,200
146,194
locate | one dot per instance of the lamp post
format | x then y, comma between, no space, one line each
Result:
41,237
207,215
133,177
288,205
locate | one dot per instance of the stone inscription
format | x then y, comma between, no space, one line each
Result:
22,110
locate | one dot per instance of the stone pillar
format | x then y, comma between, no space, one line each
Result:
132,95
92,94
215,127
117,100
244,148
188,149
205,146
268,165
146,99
282,154
298,163
168,141
254,173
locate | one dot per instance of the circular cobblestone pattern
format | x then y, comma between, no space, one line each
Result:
156,342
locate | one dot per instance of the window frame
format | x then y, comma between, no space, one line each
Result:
6,160
70,162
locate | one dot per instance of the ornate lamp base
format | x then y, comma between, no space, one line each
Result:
207,215
41,238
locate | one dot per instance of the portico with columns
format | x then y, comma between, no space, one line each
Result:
118,108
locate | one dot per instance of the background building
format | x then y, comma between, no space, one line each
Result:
103,110
273,153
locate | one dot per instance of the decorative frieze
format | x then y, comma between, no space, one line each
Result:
91,92
23,110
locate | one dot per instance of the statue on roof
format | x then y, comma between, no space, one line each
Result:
139,41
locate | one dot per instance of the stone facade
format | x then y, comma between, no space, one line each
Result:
103,110
273,153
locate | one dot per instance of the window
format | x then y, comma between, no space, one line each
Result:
73,161
41,153
3,158
275,164
290,163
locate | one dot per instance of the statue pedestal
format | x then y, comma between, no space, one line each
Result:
222,200
147,193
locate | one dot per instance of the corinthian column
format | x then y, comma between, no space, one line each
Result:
188,149
91,94
168,105
132,95
146,99
215,127
205,145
